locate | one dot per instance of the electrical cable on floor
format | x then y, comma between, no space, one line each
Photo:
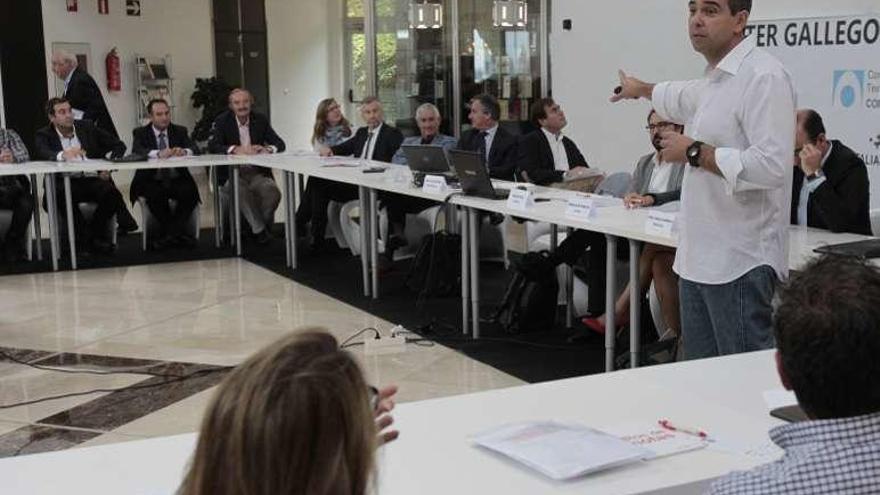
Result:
124,371
112,390
348,342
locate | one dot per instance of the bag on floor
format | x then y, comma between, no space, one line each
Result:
436,268
530,301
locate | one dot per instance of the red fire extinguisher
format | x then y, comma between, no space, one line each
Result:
114,75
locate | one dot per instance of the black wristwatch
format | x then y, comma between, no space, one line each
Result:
693,153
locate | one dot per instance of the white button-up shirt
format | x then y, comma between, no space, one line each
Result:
745,108
660,176
156,132
67,143
808,188
560,157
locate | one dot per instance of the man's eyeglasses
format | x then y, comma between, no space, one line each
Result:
659,126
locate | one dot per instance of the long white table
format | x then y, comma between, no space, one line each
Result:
434,454
616,222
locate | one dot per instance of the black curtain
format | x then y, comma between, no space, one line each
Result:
23,62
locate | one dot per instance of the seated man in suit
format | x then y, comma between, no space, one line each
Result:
827,340
545,155
428,119
161,139
66,140
375,141
830,189
15,195
240,131
486,137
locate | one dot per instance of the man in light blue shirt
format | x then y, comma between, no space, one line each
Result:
428,119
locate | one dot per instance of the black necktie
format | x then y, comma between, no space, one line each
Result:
427,141
483,137
366,153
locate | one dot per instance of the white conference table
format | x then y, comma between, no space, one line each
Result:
615,222
47,168
434,455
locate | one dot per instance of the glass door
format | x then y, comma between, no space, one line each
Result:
413,57
501,45
356,49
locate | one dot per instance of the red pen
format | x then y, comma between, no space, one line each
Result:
666,424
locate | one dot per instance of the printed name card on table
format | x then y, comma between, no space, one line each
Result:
581,207
434,184
660,223
520,199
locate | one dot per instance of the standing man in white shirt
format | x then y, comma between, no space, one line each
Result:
739,146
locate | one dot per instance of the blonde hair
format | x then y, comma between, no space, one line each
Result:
294,419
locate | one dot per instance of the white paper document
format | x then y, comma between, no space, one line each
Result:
659,441
560,451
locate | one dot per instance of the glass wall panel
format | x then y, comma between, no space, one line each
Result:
412,62
502,61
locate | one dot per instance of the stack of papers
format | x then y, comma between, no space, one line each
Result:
560,451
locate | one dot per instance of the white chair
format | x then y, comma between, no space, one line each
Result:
150,224
875,221
88,211
6,222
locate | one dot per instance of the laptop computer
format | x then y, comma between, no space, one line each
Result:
474,176
428,160
867,249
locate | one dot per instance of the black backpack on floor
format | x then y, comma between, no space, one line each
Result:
436,269
530,301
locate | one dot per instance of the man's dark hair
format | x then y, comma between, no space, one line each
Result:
539,110
813,124
490,105
52,103
828,334
737,6
154,102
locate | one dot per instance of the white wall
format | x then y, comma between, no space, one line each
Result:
647,38
181,28
305,63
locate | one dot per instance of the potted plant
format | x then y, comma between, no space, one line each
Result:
211,96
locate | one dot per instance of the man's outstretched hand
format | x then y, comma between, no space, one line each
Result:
631,88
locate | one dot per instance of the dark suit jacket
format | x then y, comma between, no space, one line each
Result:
841,203
94,141
144,141
502,156
535,158
84,94
224,134
387,143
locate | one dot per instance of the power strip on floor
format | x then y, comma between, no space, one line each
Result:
385,345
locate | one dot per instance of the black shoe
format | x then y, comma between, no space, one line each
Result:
264,237
394,243
161,243
186,241
100,246
126,229
14,252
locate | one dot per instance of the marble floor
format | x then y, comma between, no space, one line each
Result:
189,320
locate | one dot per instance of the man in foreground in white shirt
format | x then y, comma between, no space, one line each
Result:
739,146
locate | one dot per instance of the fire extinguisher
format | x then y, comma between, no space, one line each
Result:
114,75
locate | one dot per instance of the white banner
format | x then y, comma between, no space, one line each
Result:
835,63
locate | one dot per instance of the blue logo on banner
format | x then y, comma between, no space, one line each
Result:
849,88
